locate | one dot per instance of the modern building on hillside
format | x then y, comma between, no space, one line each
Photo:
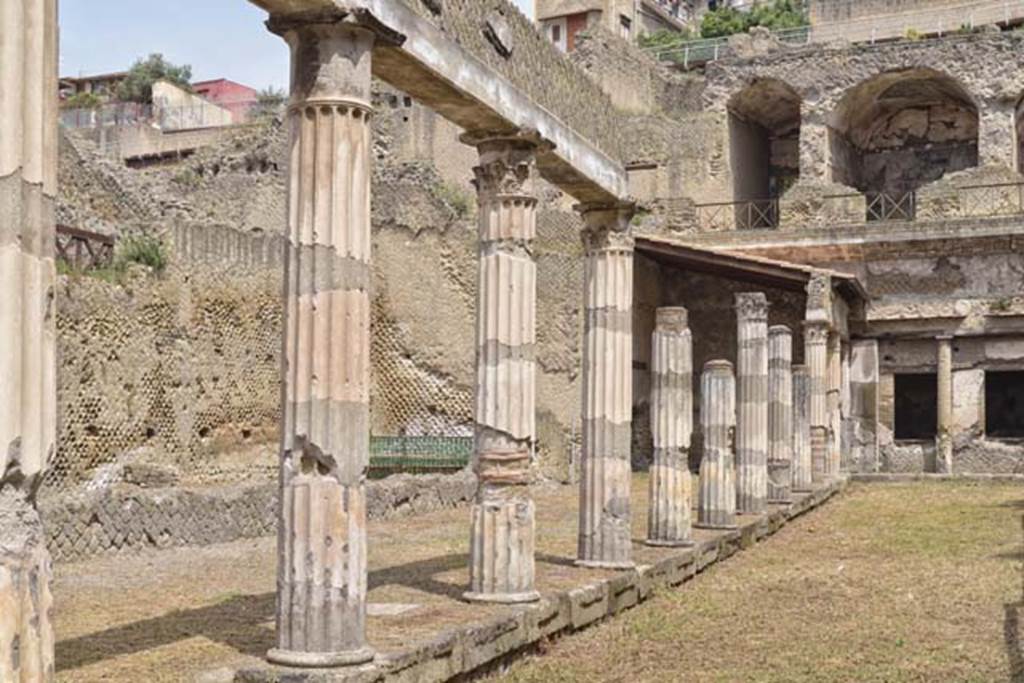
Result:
562,20
98,84
231,95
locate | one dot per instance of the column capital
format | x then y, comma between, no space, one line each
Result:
780,331
608,225
325,21
752,306
506,162
816,332
672,319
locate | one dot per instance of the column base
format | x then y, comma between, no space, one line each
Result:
502,598
656,543
598,564
320,660
717,527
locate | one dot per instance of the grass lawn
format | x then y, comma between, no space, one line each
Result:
915,582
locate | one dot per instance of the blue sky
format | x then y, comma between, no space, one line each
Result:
219,38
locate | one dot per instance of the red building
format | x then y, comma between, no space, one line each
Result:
235,97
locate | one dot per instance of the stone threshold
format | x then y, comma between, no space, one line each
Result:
902,477
475,648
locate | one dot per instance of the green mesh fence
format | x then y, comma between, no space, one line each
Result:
418,454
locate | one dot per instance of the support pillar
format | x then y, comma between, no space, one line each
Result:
604,529
816,356
780,414
834,402
503,516
321,584
716,507
669,520
864,404
802,479
944,432
28,394
752,403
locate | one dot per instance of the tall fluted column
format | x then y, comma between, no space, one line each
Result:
816,357
604,530
671,489
944,433
802,480
716,506
28,394
834,402
780,414
752,403
503,516
321,583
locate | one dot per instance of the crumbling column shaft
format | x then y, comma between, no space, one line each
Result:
28,395
716,507
944,433
671,487
752,403
834,403
780,414
802,479
604,530
864,404
503,516
321,602
816,356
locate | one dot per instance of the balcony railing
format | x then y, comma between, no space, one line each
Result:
757,214
885,206
84,250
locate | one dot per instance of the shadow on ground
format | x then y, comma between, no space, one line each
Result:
240,621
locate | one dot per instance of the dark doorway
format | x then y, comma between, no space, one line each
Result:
1004,405
916,410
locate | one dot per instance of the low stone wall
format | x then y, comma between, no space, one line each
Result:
126,519
467,652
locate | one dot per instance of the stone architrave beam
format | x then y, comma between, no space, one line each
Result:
28,348
780,414
605,538
503,517
424,63
322,583
669,520
716,506
752,403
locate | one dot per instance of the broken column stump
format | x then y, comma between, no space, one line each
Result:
669,520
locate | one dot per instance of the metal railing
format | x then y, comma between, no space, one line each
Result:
168,117
758,214
84,250
912,26
418,454
887,206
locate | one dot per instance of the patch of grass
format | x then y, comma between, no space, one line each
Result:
888,583
457,199
144,250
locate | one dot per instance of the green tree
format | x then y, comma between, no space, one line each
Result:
83,100
724,21
138,84
774,15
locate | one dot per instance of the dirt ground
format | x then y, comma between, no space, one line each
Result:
887,583
917,582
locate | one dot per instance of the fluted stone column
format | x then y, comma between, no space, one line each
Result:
752,403
604,529
671,486
716,506
802,480
28,394
816,356
321,584
780,414
864,404
503,516
944,433
834,403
